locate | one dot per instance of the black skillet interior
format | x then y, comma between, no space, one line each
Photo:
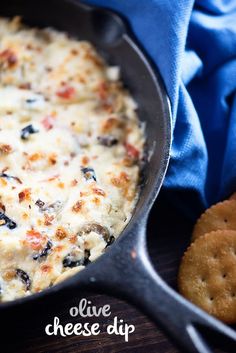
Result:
110,36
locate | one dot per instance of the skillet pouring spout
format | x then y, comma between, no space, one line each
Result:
126,272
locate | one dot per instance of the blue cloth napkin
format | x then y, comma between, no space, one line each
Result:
193,44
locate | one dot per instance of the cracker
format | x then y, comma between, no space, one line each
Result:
218,217
207,274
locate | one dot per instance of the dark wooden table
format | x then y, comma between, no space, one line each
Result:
166,227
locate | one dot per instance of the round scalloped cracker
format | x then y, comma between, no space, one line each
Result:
207,274
218,217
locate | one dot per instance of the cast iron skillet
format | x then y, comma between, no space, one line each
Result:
125,270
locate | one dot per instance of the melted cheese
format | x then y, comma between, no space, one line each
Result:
70,146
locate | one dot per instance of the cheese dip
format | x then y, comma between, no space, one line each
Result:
70,151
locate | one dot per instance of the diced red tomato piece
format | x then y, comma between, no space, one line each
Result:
48,122
66,92
9,56
132,151
34,239
103,90
24,195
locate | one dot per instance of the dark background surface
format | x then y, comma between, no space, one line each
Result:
168,236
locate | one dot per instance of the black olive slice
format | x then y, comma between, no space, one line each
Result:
7,221
53,207
107,140
97,228
31,100
86,257
39,203
24,277
44,252
27,131
89,173
110,241
7,176
70,261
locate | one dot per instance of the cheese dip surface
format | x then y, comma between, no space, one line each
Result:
70,150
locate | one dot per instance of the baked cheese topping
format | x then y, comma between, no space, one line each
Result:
70,151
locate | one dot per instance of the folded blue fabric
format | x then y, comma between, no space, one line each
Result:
193,44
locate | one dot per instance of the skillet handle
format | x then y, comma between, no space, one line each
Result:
127,273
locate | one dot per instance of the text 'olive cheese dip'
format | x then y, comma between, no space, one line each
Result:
70,150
